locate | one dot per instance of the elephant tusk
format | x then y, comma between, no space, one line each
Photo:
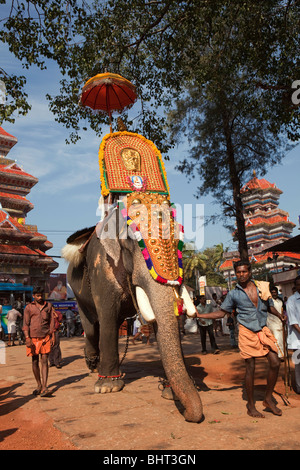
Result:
144,305
188,303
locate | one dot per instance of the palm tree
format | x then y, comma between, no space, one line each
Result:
214,257
218,255
194,263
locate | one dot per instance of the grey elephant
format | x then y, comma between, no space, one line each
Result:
109,277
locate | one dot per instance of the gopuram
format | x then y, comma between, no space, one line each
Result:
266,225
23,257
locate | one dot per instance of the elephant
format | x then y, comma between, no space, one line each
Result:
110,278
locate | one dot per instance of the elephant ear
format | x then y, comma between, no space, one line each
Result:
108,231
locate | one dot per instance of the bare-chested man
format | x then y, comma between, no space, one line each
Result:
255,339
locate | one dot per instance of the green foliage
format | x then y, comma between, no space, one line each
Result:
162,47
206,263
34,31
16,99
227,140
223,69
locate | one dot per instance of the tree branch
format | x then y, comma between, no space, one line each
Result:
152,25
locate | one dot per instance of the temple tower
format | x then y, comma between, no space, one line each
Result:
23,257
266,225
265,222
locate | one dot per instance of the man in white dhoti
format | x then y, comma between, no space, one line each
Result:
274,323
293,313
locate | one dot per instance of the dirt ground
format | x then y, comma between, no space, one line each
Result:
137,418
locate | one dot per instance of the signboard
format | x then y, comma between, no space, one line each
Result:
57,287
65,305
202,284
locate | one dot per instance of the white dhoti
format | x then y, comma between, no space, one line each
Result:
276,327
11,327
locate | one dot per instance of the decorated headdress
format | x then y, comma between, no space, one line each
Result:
132,166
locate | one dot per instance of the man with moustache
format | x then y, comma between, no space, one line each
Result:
39,328
255,339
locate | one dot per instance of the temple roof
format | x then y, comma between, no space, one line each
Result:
268,220
21,199
256,183
26,256
260,258
6,139
15,169
6,134
9,224
19,250
20,244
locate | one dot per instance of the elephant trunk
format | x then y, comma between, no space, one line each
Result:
168,339
173,362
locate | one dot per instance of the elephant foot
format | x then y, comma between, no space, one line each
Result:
91,362
109,384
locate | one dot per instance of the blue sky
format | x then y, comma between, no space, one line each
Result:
66,197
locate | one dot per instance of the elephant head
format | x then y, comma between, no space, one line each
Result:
136,262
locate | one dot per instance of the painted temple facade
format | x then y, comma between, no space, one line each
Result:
266,225
23,257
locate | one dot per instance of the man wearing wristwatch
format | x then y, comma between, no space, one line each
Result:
39,327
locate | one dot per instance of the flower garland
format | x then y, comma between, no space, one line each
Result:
104,189
145,252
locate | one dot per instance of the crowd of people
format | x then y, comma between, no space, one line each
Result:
228,326
258,324
261,320
38,326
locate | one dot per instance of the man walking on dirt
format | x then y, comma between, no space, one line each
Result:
39,327
293,313
255,339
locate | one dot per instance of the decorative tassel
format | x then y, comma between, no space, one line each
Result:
178,304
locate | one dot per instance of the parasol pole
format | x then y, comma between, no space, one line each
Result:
110,124
287,372
108,109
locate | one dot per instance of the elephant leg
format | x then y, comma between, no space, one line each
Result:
88,314
91,350
109,377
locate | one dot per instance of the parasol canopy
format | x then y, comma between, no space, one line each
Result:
108,92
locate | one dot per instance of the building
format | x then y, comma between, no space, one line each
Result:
266,225
23,257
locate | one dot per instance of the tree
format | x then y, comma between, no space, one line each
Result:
225,53
165,46
206,263
228,142
161,46
214,257
35,31
218,254
194,264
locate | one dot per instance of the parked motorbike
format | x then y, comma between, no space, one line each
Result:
78,327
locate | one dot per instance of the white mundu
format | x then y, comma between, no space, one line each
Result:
275,326
293,312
